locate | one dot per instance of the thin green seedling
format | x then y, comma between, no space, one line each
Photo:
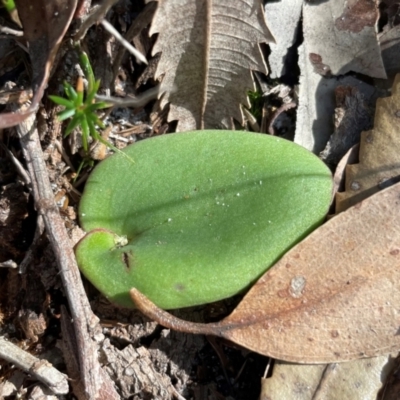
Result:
81,107
9,5
257,102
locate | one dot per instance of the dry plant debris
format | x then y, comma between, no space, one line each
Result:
359,24
379,164
207,49
333,297
44,24
358,379
353,24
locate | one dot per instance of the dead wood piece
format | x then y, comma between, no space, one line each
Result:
95,382
68,345
134,372
40,369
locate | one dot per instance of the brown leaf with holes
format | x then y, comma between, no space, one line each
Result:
333,297
44,23
379,164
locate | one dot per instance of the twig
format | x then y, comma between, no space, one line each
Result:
42,370
251,119
267,367
10,31
110,29
95,382
9,264
96,14
18,166
140,22
64,154
138,101
119,138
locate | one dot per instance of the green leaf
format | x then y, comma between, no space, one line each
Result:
75,121
95,119
87,69
79,99
85,133
62,102
92,93
92,129
199,216
70,92
96,106
9,5
63,115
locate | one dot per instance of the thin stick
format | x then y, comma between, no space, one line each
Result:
164,318
9,264
42,370
136,102
96,14
139,23
109,28
95,382
18,166
10,31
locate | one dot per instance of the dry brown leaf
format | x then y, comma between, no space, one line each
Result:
379,164
333,297
208,48
353,380
342,36
283,20
44,23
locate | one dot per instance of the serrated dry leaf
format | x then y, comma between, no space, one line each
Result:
208,49
379,164
44,23
333,297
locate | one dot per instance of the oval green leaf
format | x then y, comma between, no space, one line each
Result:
198,216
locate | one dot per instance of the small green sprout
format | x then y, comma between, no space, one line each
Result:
9,5
257,103
82,107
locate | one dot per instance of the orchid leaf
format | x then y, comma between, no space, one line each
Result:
199,216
